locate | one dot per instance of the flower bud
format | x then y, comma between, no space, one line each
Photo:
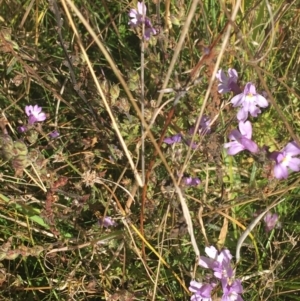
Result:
20,148
6,146
133,80
114,93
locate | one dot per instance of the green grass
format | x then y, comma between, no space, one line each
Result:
52,245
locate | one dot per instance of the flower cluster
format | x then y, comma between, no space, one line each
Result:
34,114
250,102
138,18
220,264
271,221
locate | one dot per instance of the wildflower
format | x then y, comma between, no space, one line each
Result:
149,30
285,159
204,126
173,139
219,262
270,221
189,181
201,291
35,114
249,101
241,140
22,129
107,222
227,83
138,17
54,134
231,291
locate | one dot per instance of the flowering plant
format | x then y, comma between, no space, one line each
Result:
138,18
220,264
34,114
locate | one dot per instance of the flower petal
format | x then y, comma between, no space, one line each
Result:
211,252
250,89
173,139
242,115
28,110
235,135
233,148
142,9
221,76
206,262
250,145
280,172
253,109
246,129
292,149
294,164
237,100
233,75
261,101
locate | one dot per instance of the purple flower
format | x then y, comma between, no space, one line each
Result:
231,291
219,262
189,181
227,83
204,126
107,222
270,221
148,31
285,159
201,291
249,101
138,17
35,114
173,139
22,129
241,140
54,134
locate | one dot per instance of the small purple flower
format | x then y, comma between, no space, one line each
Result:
201,291
138,17
231,291
204,126
22,129
107,222
219,262
189,181
285,159
270,221
54,134
148,31
173,139
35,114
249,101
227,83
241,140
